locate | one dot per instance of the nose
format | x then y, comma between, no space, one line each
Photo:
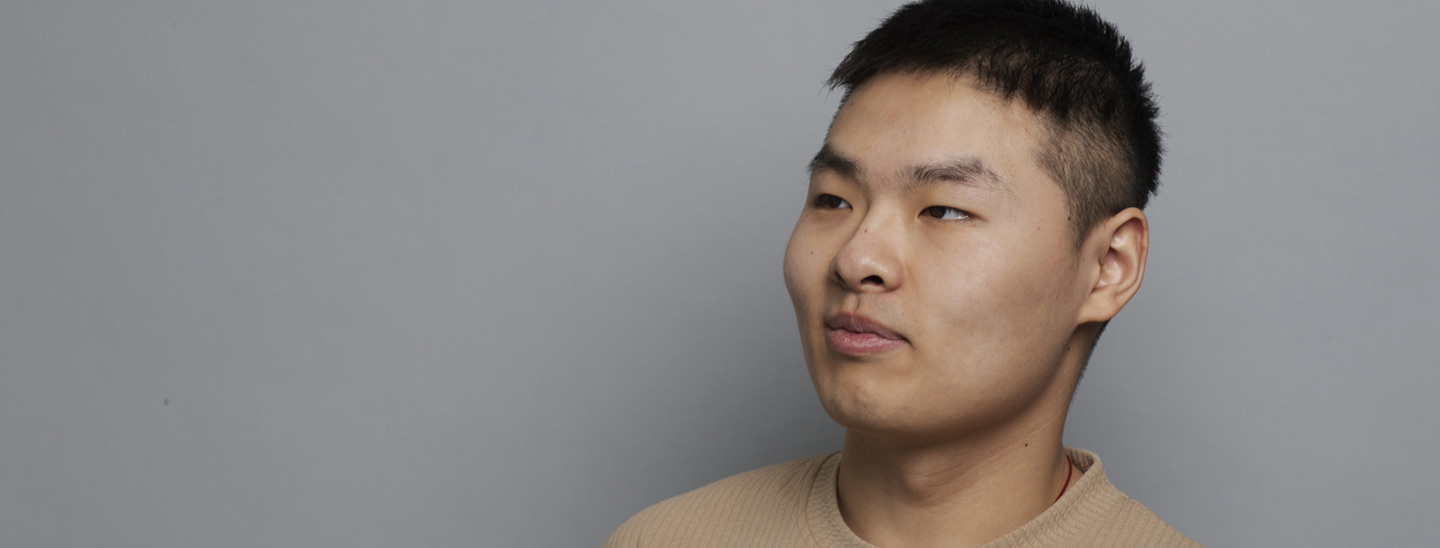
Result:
870,261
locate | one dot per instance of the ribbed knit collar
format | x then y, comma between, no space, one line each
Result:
1061,524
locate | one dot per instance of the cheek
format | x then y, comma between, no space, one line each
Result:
792,270
806,267
1000,305
992,343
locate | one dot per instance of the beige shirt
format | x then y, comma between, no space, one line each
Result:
793,504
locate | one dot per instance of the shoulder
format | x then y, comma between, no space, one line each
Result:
769,501
1119,519
1139,526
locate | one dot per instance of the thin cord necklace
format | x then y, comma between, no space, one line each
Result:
1069,470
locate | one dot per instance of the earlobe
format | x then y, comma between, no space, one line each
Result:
1123,243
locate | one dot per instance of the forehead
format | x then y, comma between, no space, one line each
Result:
898,120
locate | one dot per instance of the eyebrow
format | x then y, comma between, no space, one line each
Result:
829,160
967,171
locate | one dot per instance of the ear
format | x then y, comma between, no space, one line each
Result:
1116,252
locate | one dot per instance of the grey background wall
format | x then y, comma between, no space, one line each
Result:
464,274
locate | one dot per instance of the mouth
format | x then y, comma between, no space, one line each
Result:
856,335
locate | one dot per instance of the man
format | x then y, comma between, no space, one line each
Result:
973,221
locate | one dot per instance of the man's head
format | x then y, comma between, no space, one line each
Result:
972,220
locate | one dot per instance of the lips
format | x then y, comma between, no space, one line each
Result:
857,335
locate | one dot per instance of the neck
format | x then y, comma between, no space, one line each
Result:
956,492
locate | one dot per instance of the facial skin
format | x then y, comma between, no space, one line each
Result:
928,214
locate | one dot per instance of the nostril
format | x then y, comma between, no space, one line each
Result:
873,280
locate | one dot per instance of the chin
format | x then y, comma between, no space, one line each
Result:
911,410
869,407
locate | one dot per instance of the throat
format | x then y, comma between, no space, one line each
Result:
963,496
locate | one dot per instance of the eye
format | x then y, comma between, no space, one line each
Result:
945,213
830,201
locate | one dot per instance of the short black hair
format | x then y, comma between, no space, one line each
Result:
1068,65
